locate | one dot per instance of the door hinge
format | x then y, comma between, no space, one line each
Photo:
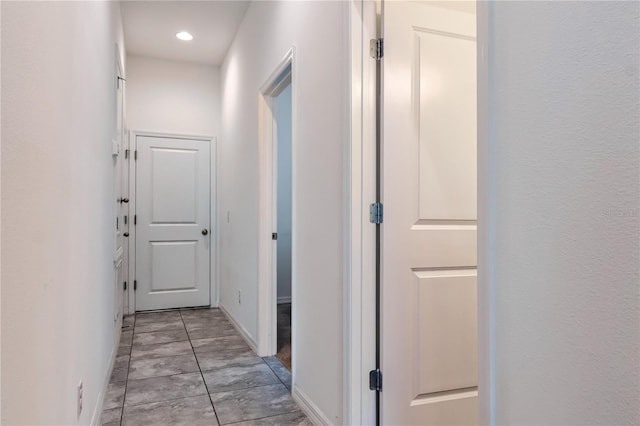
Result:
125,285
376,48
375,213
274,236
126,154
375,380
125,219
135,219
135,285
135,154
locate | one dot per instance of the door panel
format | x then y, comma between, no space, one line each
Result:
443,84
174,184
172,190
428,238
120,259
174,265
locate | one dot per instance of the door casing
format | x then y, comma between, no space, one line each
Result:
283,75
357,396
214,293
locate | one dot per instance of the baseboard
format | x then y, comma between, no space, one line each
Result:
312,411
97,412
282,300
243,332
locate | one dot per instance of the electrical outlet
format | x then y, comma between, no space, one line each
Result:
239,297
79,403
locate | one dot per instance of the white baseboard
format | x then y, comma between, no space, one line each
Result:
97,412
243,332
284,299
312,411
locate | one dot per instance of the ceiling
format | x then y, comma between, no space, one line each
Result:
150,28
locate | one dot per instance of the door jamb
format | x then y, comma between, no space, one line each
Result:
360,235
267,288
213,216
355,401
121,141
486,221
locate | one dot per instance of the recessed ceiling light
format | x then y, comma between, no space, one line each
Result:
183,35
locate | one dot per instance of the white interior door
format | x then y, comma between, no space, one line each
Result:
428,276
120,189
173,231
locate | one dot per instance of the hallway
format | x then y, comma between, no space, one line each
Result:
191,367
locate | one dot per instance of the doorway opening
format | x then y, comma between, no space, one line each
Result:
282,118
276,327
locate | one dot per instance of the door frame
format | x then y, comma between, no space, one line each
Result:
359,336
267,250
486,220
120,259
214,290
357,298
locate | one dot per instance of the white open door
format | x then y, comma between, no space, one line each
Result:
173,231
120,189
428,237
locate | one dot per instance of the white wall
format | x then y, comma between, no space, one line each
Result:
172,97
318,31
58,119
283,119
562,212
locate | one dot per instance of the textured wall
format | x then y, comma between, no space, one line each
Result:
564,181
58,120
172,97
269,30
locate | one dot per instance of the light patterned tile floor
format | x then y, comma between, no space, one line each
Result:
191,367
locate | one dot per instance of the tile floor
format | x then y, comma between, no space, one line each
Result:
191,367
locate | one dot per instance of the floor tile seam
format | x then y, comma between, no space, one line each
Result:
159,343
243,388
262,418
161,357
253,387
204,382
166,400
276,374
124,395
232,365
197,349
156,331
166,375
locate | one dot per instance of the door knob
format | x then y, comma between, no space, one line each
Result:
124,200
205,232
126,234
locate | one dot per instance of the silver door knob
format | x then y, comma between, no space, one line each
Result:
205,232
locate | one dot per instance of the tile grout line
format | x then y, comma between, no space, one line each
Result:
204,382
276,374
126,380
265,417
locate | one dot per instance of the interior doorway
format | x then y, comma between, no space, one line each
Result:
276,281
282,118
172,232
